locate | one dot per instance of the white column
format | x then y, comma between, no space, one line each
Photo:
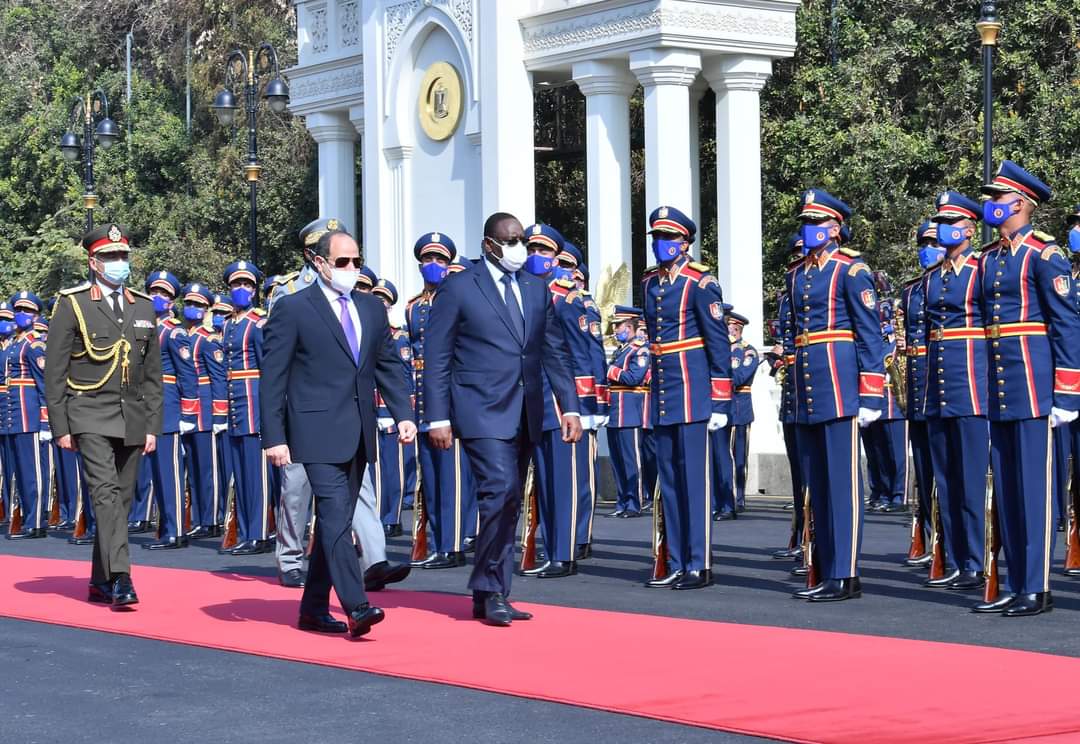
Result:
336,136
697,92
607,86
399,230
666,75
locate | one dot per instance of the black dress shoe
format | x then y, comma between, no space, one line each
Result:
362,618
617,513
786,553
382,573
919,561
631,514
1061,525
724,516
497,610
967,580
216,530
665,582
31,534
583,552
1030,604
809,591
392,530
100,592
123,591
169,543
199,533
893,508
998,605
944,581
138,527
1072,572
468,545
478,612
556,570
322,623
294,579
67,524
87,539
694,580
246,545
445,560
646,508
837,590
252,547
800,570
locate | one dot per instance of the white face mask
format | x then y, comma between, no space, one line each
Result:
513,256
343,280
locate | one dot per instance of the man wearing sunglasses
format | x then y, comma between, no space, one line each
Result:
493,329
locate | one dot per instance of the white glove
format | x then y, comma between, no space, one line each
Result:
717,421
186,427
1059,416
587,422
385,424
45,435
867,417
218,428
602,421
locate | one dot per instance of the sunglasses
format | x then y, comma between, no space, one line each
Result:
509,243
342,261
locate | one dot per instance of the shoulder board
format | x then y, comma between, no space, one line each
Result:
698,266
1050,251
565,283
692,271
849,252
202,331
414,299
252,314
137,293
288,278
37,343
857,268
259,311
1044,237
572,296
178,331
76,289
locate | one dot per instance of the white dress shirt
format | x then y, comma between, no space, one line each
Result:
107,292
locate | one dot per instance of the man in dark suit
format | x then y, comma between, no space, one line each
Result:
326,348
493,329
104,392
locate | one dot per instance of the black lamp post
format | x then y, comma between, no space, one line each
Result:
989,27
91,109
249,67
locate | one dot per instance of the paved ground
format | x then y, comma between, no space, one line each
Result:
239,698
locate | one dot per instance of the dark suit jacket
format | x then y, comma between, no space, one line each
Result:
477,372
127,412
313,396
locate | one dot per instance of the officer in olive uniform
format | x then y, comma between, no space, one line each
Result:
104,392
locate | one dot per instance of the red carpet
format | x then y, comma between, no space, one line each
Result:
715,675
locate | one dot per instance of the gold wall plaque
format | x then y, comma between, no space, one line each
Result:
440,101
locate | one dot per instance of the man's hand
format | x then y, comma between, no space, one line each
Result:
151,444
279,455
441,438
67,442
406,432
571,429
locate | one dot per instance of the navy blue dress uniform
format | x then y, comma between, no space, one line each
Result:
955,400
28,418
200,445
220,311
744,364
885,441
445,476
396,468
253,476
913,311
1067,438
787,403
649,471
691,386
723,466
7,465
141,513
629,375
1034,375
839,378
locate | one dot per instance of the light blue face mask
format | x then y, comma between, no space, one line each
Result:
116,272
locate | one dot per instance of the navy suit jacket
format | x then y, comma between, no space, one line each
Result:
478,373
313,396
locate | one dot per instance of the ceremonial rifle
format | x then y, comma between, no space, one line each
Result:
937,540
530,521
419,527
659,538
1072,550
229,539
992,544
918,525
813,575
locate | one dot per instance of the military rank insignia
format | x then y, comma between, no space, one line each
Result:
219,355
584,324
406,353
41,362
716,310
1061,285
185,352
642,359
867,297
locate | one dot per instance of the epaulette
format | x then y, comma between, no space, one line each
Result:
566,283
857,268
137,293
76,289
287,278
691,270
1044,237
414,299
850,252
698,266
179,331
571,296
259,312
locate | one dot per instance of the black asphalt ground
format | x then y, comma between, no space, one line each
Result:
119,689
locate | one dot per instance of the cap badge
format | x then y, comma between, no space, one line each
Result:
436,238
537,230
331,224
662,213
945,198
115,234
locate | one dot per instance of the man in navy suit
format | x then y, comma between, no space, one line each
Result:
493,329
326,349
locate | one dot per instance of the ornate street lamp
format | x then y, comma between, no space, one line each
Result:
92,111
989,27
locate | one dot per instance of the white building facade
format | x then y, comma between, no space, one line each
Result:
438,94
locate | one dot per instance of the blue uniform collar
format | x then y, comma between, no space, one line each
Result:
1018,238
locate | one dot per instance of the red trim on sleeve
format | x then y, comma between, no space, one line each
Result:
871,383
220,408
586,386
1067,381
721,388
189,406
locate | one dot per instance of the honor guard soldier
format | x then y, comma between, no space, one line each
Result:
446,481
28,418
366,279
396,466
649,470
178,418
723,467
839,385
270,285
691,392
629,376
912,346
744,364
104,392
7,460
956,391
1034,380
253,475
220,311
1067,438
885,440
200,445
563,469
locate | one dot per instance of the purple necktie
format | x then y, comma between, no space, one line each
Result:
350,332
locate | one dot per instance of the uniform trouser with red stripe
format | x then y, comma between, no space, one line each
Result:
886,456
723,469
201,455
587,495
7,470
141,502
649,473
449,495
922,463
1066,445
960,451
791,444
740,452
167,470
829,452
223,444
683,459
32,478
624,444
254,479
1022,456
395,470
562,476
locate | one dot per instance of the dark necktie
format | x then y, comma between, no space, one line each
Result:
118,307
513,309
